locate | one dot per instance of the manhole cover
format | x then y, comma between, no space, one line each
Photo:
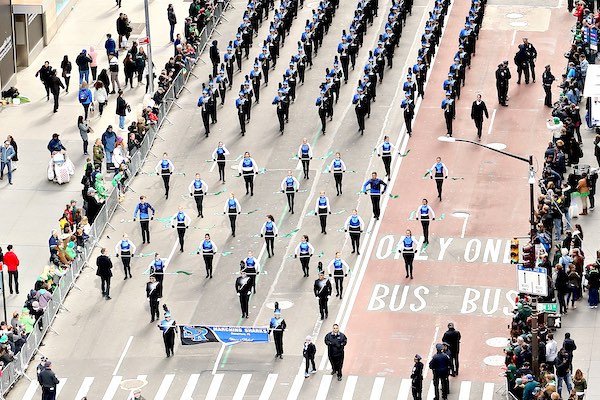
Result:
514,15
497,342
132,384
494,361
518,23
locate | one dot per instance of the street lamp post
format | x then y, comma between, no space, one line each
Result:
529,160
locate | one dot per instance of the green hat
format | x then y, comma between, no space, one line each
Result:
556,120
3,339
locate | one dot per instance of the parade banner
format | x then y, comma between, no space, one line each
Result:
198,334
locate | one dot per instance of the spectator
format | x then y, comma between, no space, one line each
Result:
83,61
12,265
94,63
121,110
85,97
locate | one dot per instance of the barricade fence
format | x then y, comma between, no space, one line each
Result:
12,372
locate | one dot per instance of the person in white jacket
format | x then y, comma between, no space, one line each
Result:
269,231
219,155
232,208
304,250
338,167
126,250
248,169
338,268
101,96
289,186
165,169
354,225
305,154
322,209
181,221
554,126
198,189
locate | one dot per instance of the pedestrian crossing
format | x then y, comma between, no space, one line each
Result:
260,386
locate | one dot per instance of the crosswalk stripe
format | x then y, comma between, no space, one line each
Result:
405,387
215,384
324,387
188,391
431,393
296,387
31,389
349,388
85,387
488,391
61,384
112,388
268,387
465,390
240,391
164,387
377,388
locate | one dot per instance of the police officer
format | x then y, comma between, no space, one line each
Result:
269,231
337,167
208,249
408,250
449,112
126,249
439,172
322,289
375,192
408,105
198,189
304,250
157,268
289,186
168,327
547,80
355,226
531,57
252,267
440,365
478,110
48,381
426,214
416,377
385,150
219,155
242,288
248,168
336,341
338,268
182,221
305,154
522,62
277,325
165,168
452,338
143,208
232,209
502,78
322,209
203,101
153,294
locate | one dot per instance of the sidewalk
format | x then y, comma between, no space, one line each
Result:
33,205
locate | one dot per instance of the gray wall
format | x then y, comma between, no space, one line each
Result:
7,57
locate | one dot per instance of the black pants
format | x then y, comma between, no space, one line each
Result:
337,362
199,200
338,182
360,117
355,239
479,126
425,225
85,146
232,218
439,183
408,263
443,379
249,182
323,221
221,165
548,98
532,69
154,309
278,339
310,361
86,108
270,242
13,275
448,118
290,199
281,119
375,199
48,393
323,117
323,309
145,225
304,261
408,121
94,72
206,121
523,69
244,299
242,119
166,178
101,108
561,302
417,390
105,285
126,265
454,361
339,285
169,341
387,162
208,260
56,103
181,234
305,168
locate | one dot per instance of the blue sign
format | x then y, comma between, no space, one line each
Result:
198,334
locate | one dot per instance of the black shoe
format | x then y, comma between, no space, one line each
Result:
108,298
125,278
152,320
333,372
339,378
207,275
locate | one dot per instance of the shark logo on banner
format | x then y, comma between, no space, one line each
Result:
197,334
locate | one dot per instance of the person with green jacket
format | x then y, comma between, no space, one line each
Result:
99,186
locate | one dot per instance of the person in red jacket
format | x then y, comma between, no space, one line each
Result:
12,265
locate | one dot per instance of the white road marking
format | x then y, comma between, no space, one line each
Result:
242,386
31,389
190,386
349,388
431,393
61,384
85,387
465,390
112,387
218,360
488,391
405,387
492,121
215,384
377,388
435,335
123,355
324,387
268,387
514,37
296,387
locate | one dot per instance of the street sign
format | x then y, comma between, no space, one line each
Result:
532,280
548,307
144,40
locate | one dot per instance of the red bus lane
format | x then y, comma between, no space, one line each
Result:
464,276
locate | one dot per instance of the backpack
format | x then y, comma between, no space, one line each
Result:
83,95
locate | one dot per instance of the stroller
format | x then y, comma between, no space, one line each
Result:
60,168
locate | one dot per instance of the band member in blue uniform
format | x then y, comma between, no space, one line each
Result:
165,169
304,250
338,268
143,208
208,248
408,248
232,209
337,167
126,249
269,231
385,151
425,214
375,191
181,221
322,209
289,186
355,226
248,168
305,154
198,189
439,172
219,155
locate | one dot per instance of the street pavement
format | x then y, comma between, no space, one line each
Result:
100,346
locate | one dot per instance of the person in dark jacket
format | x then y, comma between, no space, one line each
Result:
153,294
172,21
215,57
335,342
55,144
522,63
45,73
121,110
440,365
66,67
478,110
452,337
416,377
83,61
308,352
48,381
55,84
104,265
562,288
569,346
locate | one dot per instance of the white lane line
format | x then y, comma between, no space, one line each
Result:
377,388
112,388
85,387
123,355
431,393
405,387
163,389
31,389
514,37
492,121
488,391
190,386
465,390
349,388
296,387
268,387
242,387
324,387
61,384
433,343
213,389
218,360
